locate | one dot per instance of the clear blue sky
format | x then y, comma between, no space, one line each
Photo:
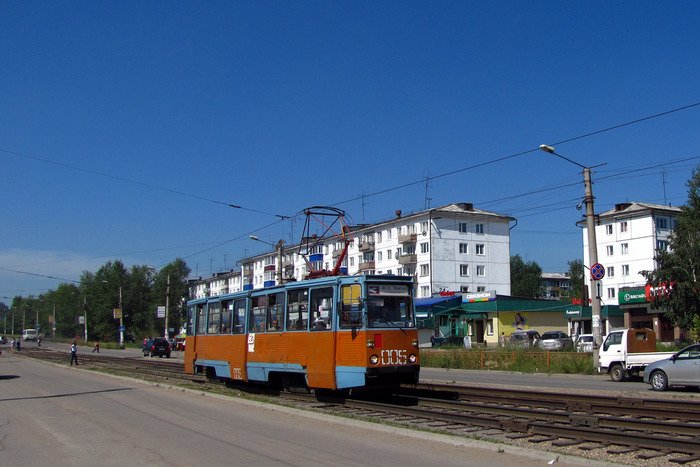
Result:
275,106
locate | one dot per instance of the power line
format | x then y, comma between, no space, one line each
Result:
135,182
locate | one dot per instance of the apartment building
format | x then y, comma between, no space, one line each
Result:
452,248
628,237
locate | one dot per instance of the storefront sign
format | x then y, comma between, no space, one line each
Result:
572,313
479,297
632,296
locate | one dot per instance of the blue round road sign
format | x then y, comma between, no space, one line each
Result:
597,271
122,328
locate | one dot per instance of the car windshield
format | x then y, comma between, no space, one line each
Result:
585,339
550,335
389,305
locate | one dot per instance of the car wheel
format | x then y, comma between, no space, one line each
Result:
617,373
658,381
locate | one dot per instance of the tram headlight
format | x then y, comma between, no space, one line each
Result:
412,358
414,343
370,343
374,359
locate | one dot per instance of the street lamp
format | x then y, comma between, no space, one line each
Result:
592,248
279,246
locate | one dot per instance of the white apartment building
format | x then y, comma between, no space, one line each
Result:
452,248
628,237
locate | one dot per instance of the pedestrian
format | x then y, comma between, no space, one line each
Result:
97,347
73,353
38,341
502,339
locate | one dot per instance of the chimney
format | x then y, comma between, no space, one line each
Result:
622,206
398,213
466,206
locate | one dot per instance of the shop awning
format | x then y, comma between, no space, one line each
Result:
474,315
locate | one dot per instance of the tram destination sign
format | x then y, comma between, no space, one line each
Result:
388,290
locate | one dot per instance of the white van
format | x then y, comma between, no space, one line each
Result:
29,335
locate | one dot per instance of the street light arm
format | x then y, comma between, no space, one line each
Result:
550,150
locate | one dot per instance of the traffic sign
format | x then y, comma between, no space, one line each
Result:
122,328
597,272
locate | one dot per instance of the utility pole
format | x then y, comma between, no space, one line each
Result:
167,305
592,251
53,327
84,317
280,247
121,320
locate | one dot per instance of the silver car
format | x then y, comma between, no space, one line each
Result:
682,369
555,340
584,343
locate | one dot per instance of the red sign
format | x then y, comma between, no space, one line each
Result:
663,290
447,294
579,301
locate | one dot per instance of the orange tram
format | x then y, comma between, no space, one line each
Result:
335,333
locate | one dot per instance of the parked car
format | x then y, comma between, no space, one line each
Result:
681,369
522,338
158,346
584,343
3,340
30,335
555,340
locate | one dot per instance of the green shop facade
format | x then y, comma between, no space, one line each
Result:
484,316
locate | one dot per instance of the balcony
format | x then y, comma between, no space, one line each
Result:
366,246
366,265
270,267
408,238
408,259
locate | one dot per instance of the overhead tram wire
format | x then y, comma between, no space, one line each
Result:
521,153
135,182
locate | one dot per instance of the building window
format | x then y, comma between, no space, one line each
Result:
489,327
479,228
464,288
462,227
399,271
609,229
481,288
424,291
464,270
388,234
379,237
662,223
611,271
424,227
611,292
623,226
625,269
388,255
674,223
352,261
624,248
480,248
662,245
464,248
424,269
609,250
480,270
379,256
388,271
424,247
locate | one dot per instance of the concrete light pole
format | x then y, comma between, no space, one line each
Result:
167,305
592,249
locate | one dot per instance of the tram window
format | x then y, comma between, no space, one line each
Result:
226,313
239,316
298,310
389,306
201,319
191,310
275,312
257,315
321,304
214,320
351,306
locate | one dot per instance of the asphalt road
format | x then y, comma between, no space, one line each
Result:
56,415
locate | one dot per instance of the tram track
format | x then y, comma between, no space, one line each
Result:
626,429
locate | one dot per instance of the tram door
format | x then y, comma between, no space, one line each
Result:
321,352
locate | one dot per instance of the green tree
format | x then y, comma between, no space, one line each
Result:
525,278
679,267
578,285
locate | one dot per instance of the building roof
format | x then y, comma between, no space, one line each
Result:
555,275
634,208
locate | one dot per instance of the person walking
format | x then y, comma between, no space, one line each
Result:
97,347
73,353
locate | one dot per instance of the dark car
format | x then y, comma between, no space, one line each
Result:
158,346
523,338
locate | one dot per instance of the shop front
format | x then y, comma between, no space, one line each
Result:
635,303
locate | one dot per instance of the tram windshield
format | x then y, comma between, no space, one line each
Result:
389,305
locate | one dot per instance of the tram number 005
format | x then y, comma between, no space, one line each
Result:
394,357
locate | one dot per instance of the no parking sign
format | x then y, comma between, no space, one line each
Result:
597,272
